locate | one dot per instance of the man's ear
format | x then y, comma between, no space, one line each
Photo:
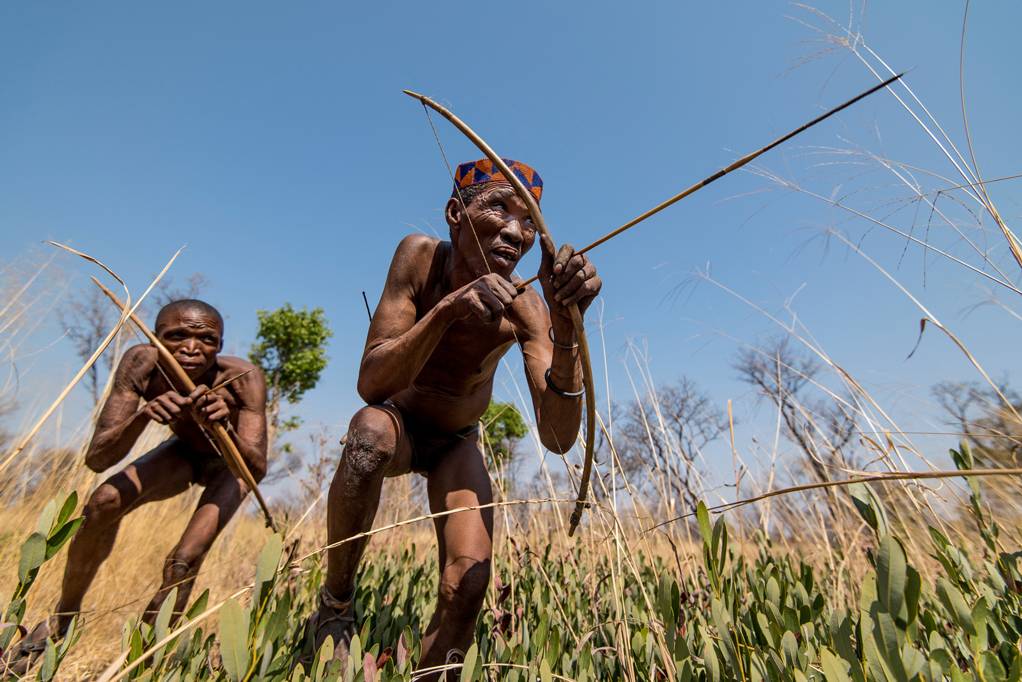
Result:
453,212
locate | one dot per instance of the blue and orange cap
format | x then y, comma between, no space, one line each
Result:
483,170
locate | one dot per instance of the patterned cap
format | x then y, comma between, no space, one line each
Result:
483,170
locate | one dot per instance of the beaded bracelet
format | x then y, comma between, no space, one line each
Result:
563,346
564,394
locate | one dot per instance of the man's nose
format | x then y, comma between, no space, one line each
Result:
191,346
512,231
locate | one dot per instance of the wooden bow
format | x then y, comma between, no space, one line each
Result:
576,315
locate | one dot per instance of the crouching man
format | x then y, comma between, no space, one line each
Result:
448,313
193,332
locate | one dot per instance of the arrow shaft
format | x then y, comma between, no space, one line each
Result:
724,171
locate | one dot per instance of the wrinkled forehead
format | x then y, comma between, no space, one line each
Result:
497,190
191,318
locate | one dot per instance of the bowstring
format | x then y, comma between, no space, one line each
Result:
464,208
475,235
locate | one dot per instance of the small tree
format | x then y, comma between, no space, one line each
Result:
503,427
290,348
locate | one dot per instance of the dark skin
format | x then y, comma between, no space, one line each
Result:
448,313
141,394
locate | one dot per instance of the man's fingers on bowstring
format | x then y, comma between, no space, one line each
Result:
174,400
502,289
157,413
200,391
492,305
216,410
585,292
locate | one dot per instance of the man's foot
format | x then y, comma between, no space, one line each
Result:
334,618
27,651
454,657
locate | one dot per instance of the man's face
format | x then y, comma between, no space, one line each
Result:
497,228
193,337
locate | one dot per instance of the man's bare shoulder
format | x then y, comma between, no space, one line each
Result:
135,367
416,248
413,262
139,360
231,363
251,386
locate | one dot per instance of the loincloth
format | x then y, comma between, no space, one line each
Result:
205,466
429,443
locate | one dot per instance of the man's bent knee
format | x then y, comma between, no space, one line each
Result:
463,585
104,505
371,444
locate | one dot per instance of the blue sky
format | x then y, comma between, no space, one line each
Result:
275,142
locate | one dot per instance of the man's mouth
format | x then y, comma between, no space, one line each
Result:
508,255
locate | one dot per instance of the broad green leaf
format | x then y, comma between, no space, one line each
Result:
790,648
710,660
885,634
60,536
468,668
869,507
891,575
836,669
703,517
70,504
162,622
979,617
49,668
991,669
198,606
46,517
913,588
544,672
269,558
234,639
956,605
33,554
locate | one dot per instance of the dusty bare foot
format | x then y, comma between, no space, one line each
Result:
336,619
27,651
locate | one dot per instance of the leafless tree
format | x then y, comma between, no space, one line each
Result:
992,429
87,318
665,434
166,291
821,428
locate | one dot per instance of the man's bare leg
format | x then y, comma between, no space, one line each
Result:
376,447
465,542
218,503
158,475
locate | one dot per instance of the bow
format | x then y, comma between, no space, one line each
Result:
576,315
